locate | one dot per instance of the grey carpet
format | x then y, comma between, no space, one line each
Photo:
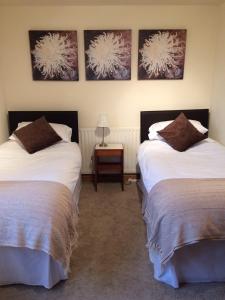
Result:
111,262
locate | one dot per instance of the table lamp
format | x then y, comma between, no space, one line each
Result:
103,123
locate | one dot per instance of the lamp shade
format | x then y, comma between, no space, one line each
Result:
102,121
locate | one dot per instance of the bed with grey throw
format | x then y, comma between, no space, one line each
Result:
184,210
39,195
38,215
183,202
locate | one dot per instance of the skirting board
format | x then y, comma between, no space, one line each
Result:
127,177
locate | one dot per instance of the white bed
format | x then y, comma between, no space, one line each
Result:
60,163
158,161
202,260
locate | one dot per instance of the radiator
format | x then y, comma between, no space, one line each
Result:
129,137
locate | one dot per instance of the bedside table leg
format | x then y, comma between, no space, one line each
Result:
95,173
122,180
122,173
95,180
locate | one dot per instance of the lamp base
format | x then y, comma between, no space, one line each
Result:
103,145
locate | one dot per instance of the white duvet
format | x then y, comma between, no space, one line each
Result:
59,163
158,161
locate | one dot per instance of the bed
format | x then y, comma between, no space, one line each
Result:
39,197
168,178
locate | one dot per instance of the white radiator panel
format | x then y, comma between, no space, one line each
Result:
129,137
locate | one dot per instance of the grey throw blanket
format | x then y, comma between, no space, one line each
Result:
38,215
184,211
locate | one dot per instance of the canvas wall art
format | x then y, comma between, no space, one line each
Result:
54,55
161,54
107,54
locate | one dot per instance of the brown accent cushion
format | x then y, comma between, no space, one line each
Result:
181,134
37,135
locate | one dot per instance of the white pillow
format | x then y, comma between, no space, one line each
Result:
153,134
64,131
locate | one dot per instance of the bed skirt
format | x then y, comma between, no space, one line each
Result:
200,262
31,267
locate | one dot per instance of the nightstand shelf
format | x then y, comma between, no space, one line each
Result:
108,164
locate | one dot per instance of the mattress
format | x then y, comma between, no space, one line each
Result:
59,163
158,161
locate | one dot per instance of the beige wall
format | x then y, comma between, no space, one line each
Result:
3,119
217,119
3,111
122,100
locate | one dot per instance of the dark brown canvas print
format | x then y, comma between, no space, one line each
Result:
161,54
54,55
107,54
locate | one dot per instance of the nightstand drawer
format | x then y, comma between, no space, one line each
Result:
106,169
111,152
109,159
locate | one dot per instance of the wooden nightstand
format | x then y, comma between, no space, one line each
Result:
108,163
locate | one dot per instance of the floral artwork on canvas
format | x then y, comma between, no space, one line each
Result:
54,55
161,54
107,54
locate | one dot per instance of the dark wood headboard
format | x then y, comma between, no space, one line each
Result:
150,117
69,118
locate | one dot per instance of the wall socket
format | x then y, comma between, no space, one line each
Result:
131,180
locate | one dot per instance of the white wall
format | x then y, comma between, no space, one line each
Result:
122,100
217,119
